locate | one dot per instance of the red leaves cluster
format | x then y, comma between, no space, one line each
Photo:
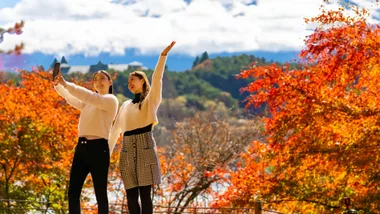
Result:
16,29
322,136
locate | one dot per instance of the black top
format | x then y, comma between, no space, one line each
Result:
137,98
145,129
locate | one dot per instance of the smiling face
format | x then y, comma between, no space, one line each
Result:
135,84
102,83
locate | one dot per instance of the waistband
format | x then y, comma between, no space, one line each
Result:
142,130
83,139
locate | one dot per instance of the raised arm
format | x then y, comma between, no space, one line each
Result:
71,100
116,129
155,94
106,102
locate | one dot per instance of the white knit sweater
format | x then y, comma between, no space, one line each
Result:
130,117
97,111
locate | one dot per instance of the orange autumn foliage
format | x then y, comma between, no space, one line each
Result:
322,138
38,132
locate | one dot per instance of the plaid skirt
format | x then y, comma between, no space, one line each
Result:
139,164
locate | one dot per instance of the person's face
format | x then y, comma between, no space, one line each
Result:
135,84
102,83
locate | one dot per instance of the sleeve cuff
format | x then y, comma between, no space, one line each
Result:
69,85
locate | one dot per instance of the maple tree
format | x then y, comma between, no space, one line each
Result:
37,136
16,29
322,137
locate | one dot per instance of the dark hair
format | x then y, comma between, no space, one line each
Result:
110,90
146,85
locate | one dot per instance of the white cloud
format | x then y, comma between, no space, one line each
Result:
156,8
66,27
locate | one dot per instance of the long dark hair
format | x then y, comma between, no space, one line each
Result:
146,85
110,90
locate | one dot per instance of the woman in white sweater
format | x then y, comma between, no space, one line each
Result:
97,111
139,164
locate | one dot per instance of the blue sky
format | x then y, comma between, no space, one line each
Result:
122,31
8,3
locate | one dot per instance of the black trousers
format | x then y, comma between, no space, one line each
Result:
91,156
145,197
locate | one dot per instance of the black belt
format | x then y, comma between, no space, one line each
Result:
145,129
95,140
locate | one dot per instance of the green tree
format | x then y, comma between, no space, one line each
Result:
204,57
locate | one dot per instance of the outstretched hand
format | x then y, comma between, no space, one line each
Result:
167,49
